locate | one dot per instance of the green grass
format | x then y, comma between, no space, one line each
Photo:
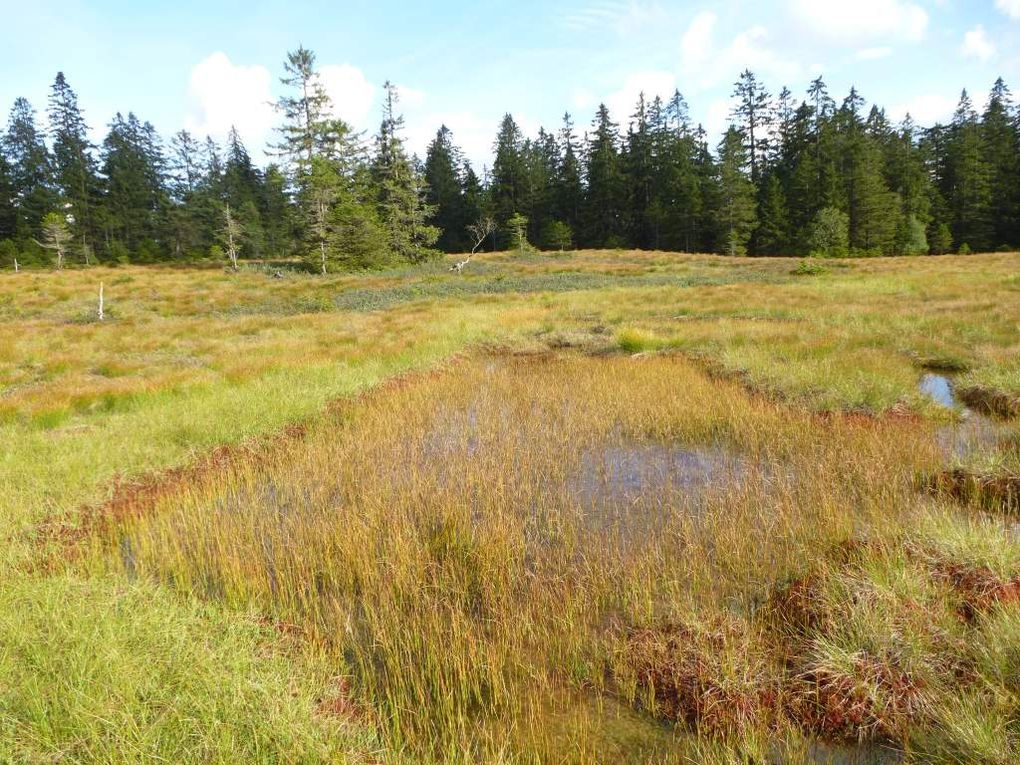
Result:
107,671
96,666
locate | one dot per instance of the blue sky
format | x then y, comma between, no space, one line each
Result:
207,65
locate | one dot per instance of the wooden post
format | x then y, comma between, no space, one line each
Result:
102,316
15,265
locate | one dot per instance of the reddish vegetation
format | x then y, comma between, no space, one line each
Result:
876,700
62,538
980,588
132,498
796,605
683,670
998,492
991,401
339,702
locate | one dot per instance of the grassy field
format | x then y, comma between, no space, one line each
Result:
594,507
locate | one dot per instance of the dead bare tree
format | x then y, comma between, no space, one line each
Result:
100,312
480,231
56,236
231,234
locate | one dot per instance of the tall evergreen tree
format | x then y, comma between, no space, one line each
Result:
754,110
31,170
242,191
445,191
337,204
1000,128
75,167
506,188
644,218
969,180
136,198
736,211
568,185
403,210
771,236
8,211
605,221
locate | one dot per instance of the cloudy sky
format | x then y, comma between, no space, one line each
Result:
205,65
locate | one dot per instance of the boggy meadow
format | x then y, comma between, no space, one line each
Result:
575,558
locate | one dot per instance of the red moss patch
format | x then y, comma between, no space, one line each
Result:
990,401
876,700
994,492
681,668
980,588
339,702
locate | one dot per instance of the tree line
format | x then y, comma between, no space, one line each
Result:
789,176
332,196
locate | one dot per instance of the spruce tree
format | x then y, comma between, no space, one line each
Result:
277,214
403,211
190,227
31,170
307,124
8,212
736,211
969,180
568,187
639,167
337,207
606,200
1000,129
445,191
75,167
754,110
771,236
241,190
506,189
135,194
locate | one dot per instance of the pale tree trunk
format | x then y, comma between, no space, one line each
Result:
231,244
102,315
16,269
322,235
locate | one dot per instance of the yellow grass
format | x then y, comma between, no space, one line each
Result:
449,571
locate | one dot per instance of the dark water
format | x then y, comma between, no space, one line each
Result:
625,473
867,754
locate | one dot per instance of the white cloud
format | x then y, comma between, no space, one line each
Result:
351,93
925,110
1010,7
717,119
862,20
750,50
626,17
223,95
976,44
582,99
873,54
621,102
696,44
706,64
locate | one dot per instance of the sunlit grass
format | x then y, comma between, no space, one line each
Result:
459,601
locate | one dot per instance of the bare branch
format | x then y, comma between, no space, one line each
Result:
480,231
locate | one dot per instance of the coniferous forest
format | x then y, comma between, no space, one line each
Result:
805,174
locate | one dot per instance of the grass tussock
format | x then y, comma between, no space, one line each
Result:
544,558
